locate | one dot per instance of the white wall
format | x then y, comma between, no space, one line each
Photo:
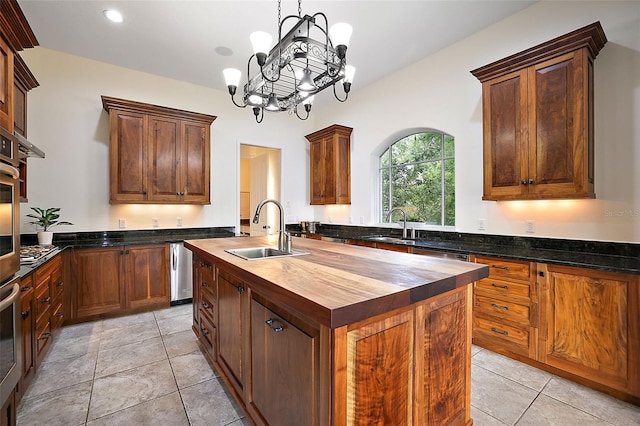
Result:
439,92
66,119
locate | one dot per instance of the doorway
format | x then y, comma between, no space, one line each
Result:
259,179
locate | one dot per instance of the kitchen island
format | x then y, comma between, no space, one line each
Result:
341,335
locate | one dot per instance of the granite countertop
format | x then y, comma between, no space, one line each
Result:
613,257
339,284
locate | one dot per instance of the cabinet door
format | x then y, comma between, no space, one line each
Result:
146,274
589,325
342,173
283,369
128,157
19,108
231,308
505,138
6,86
164,159
97,279
317,172
28,332
194,167
558,154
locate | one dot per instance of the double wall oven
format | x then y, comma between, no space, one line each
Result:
10,336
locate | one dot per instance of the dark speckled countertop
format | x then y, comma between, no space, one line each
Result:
63,241
601,255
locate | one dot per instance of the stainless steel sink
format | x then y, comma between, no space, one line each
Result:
257,253
392,240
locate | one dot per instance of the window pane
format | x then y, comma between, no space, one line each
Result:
417,190
417,148
384,192
449,146
384,159
449,193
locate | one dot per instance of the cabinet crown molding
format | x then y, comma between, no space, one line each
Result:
14,26
109,103
23,74
328,131
591,37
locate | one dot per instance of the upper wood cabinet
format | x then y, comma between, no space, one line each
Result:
538,124
6,85
158,154
23,81
330,165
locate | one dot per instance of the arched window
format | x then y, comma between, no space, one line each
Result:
417,174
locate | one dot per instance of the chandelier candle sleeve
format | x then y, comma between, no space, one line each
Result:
307,58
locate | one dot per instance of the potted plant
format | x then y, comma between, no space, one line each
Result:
46,219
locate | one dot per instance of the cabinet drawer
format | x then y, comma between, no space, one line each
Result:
43,333
505,289
43,302
208,306
44,271
490,332
502,309
207,335
503,268
57,318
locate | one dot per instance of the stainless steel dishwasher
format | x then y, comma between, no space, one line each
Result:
181,278
441,254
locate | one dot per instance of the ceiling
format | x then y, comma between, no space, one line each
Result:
181,39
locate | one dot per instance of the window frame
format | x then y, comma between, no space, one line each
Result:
387,149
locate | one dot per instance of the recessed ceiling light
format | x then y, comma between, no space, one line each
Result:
113,15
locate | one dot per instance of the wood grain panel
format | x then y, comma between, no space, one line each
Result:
502,288
231,302
97,281
195,173
128,181
147,275
6,85
380,363
507,268
502,309
164,158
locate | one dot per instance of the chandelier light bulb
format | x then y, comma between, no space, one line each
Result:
255,100
272,104
340,34
349,72
306,83
261,42
232,79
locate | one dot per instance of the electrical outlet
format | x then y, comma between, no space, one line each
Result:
530,227
122,223
480,224
178,221
154,222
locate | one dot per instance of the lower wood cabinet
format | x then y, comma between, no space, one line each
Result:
590,325
120,280
28,335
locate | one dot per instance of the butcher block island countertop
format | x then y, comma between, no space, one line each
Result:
342,335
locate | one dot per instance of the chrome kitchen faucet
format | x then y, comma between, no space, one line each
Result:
284,238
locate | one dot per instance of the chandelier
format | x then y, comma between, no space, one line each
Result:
306,60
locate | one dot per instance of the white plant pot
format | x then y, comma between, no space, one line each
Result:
45,238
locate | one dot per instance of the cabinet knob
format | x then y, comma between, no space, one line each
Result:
276,328
24,314
240,289
144,192
531,182
523,181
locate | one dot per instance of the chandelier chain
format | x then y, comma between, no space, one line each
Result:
279,10
300,8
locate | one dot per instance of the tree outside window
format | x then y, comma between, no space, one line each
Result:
417,174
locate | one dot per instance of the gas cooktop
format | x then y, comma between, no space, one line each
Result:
30,254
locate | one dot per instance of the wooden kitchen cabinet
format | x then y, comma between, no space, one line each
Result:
28,335
6,85
157,154
589,325
538,119
120,280
284,366
330,165
232,327
205,302
505,307
46,281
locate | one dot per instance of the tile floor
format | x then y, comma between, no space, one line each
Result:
147,369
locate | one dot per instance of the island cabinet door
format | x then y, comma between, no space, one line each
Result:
284,369
443,360
231,328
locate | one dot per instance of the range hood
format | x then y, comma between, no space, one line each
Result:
26,148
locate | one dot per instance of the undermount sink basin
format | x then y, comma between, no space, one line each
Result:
257,253
392,240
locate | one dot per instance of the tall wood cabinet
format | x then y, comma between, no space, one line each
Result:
330,165
538,119
157,154
24,81
120,279
6,85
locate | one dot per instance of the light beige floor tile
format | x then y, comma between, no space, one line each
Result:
498,396
207,404
63,407
241,422
511,369
180,343
86,329
186,309
126,321
593,402
175,324
133,333
166,410
475,349
546,411
128,388
190,369
129,356
63,373
480,418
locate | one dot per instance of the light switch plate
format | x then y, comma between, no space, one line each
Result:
480,224
122,223
530,227
154,222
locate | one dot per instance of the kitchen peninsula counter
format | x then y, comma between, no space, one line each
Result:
341,335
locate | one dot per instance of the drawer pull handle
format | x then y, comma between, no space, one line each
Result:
60,284
204,284
45,336
504,308
24,314
506,287
204,332
205,305
495,330
506,268
25,288
60,314
46,300
276,328
240,289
